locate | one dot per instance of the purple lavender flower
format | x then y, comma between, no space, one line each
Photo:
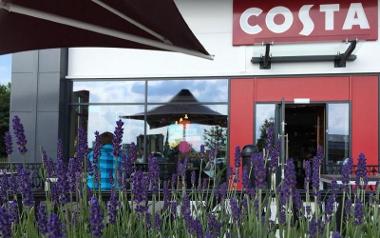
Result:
71,180
8,143
95,159
269,141
274,154
346,171
358,212
246,180
361,172
148,220
5,223
55,227
48,164
12,184
259,171
140,190
4,187
282,206
62,182
174,179
348,207
237,157
13,211
153,173
18,130
157,221
290,176
320,155
96,218
272,148
82,148
214,226
60,155
173,209
297,201
235,209
193,178
42,219
334,187
197,228
24,186
185,207
307,172
336,234
128,166
112,206
118,138
181,167
329,207
166,194
313,228
132,152
222,190
315,175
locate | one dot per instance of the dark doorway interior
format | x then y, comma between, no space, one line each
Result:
305,126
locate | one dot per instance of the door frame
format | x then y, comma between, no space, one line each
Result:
278,112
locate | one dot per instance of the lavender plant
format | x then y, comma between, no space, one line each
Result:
212,209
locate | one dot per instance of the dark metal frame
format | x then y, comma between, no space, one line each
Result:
340,60
146,104
326,103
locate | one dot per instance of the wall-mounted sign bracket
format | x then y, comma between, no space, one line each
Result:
340,60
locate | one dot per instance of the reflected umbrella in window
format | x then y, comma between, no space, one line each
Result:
181,105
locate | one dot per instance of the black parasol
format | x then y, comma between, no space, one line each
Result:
182,104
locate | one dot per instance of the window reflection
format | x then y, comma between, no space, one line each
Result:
190,128
180,115
109,91
204,90
103,119
265,116
338,139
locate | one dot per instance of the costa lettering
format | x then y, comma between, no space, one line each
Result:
257,22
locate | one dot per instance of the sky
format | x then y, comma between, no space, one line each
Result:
5,69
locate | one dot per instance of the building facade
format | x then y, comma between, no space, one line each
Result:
322,103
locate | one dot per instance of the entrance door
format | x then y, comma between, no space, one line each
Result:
305,130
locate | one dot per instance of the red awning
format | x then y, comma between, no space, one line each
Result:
139,24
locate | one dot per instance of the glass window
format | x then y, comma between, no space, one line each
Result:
103,119
203,90
169,128
265,116
109,91
338,138
195,129
181,114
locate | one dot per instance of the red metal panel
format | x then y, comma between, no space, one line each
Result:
269,21
241,106
315,88
365,111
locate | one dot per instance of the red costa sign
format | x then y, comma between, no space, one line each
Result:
257,22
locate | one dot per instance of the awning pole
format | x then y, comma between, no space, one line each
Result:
13,8
130,20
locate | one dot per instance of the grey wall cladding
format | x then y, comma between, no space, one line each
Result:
37,80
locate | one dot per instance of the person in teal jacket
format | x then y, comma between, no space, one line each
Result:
106,163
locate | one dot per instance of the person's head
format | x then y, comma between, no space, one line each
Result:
106,138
